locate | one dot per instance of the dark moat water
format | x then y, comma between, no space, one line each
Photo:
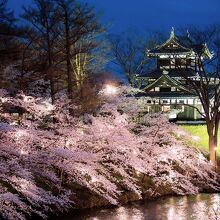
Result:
199,207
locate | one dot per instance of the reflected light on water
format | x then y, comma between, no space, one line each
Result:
181,206
133,214
198,207
122,213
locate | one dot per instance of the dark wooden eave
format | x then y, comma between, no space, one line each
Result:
167,81
176,73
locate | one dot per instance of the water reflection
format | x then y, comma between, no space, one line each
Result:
199,207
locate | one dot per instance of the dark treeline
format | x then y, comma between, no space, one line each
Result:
54,47
61,46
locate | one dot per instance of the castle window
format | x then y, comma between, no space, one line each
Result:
164,62
165,89
190,101
180,62
173,45
189,62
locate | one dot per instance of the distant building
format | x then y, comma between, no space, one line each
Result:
165,87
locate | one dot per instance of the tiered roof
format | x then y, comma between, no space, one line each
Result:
155,74
180,45
170,76
166,80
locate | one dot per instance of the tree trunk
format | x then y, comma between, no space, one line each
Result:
68,64
216,130
50,72
211,128
212,150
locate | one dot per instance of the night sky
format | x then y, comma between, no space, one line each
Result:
149,15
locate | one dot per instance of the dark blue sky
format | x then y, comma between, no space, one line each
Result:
146,15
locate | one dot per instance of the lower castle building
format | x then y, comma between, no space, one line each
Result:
165,88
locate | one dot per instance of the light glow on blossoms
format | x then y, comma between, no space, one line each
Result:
24,185
110,89
93,179
27,98
172,174
135,152
201,157
13,123
138,172
180,133
3,100
47,107
20,133
67,143
195,138
24,152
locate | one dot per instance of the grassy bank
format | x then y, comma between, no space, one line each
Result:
199,136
